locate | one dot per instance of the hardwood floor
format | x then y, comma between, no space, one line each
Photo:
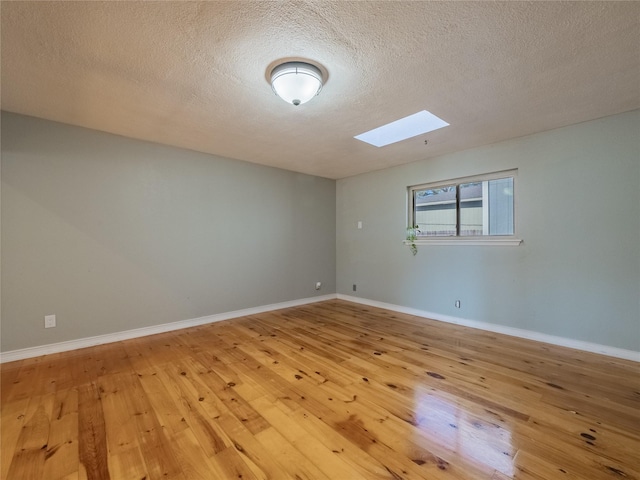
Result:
331,390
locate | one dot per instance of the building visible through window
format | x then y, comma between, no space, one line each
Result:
479,206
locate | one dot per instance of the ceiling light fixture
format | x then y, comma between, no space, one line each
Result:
296,82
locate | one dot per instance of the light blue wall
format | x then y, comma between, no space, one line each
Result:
112,234
577,274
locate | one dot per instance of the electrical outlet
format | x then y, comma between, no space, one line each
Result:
354,287
457,303
49,321
318,285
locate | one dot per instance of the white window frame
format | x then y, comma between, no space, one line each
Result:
492,240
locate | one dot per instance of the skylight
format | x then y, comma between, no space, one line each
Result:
407,127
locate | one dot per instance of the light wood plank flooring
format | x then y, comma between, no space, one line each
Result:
331,390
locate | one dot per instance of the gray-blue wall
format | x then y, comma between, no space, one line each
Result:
577,274
112,234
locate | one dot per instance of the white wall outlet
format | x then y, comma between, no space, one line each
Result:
318,285
49,321
359,225
457,303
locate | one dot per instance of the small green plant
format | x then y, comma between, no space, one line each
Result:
412,235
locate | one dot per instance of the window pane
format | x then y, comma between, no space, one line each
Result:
501,206
435,211
471,201
479,207
486,208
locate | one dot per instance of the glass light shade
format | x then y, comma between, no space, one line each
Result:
296,82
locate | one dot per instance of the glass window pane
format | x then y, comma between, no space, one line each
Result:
435,211
471,202
500,195
474,208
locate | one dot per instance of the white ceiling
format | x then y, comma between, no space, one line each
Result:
194,74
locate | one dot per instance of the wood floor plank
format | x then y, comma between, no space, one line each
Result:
325,457
92,441
293,463
206,380
484,442
10,375
197,408
127,464
61,458
331,390
14,415
158,454
230,464
193,460
125,457
163,402
31,448
254,454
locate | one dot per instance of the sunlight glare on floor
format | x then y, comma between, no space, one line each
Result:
455,429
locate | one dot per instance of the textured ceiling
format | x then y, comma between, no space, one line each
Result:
193,74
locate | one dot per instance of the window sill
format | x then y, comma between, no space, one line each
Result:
474,241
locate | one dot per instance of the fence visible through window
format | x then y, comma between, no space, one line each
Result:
483,207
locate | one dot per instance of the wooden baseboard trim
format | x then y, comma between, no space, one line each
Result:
492,327
13,355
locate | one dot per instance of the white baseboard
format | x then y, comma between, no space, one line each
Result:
30,352
492,327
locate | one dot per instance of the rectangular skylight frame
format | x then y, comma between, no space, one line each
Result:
407,127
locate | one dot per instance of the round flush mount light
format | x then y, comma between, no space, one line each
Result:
296,82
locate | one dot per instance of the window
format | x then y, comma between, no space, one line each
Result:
477,210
